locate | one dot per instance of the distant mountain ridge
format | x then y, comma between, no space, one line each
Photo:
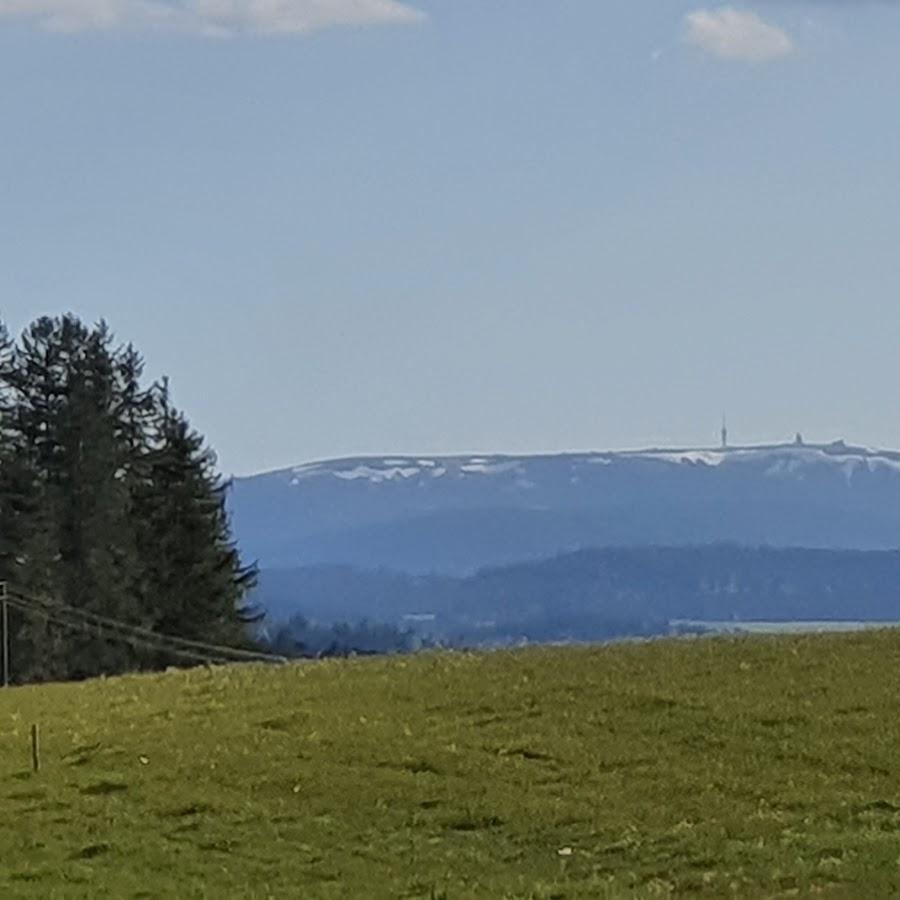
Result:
455,515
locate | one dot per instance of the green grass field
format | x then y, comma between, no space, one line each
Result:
751,767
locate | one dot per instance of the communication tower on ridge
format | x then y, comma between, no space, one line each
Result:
724,433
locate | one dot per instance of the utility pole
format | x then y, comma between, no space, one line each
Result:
4,625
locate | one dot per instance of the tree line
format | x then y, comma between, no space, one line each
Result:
110,502
301,638
598,593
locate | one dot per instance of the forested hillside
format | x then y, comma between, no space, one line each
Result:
109,503
599,593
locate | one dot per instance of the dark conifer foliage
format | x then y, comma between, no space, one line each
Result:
189,558
110,503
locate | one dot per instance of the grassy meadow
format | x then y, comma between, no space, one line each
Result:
714,767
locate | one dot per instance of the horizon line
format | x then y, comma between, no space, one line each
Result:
401,458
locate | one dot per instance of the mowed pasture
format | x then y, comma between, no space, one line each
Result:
713,767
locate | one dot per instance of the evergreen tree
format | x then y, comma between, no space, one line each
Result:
109,503
194,575
97,545
32,398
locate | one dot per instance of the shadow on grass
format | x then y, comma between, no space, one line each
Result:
183,812
92,851
413,765
471,822
37,794
104,788
284,723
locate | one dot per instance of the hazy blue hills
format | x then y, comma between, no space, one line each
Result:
458,515
489,549
600,593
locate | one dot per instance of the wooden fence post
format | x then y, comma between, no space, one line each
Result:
4,625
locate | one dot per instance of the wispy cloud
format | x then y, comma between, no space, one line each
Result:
733,34
208,17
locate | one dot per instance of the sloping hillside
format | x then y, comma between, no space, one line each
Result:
704,767
456,515
596,594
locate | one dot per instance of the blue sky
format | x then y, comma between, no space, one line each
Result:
354,226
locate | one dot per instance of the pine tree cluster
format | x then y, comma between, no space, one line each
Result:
109,502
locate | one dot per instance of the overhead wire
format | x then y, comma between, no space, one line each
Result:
128,639
63,613
97,618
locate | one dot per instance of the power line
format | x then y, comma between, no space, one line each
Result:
78,619
127,639
57,608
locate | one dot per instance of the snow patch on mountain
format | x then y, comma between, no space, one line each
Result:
776,461
423,513
376,476
483,467
785,461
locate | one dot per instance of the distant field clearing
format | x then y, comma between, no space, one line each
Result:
755,627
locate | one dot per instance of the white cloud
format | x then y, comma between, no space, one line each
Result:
208,17
730,33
